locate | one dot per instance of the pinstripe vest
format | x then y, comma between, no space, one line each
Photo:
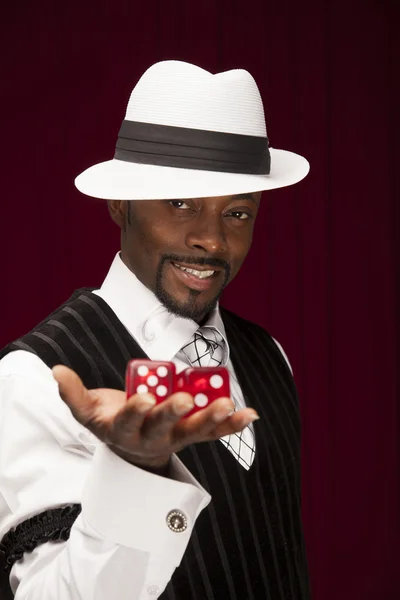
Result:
248,543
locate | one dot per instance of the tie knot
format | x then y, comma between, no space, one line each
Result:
205,348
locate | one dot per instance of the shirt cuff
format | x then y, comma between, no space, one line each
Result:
130,506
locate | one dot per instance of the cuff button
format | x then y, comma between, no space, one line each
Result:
177,521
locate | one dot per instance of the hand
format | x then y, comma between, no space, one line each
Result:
138,430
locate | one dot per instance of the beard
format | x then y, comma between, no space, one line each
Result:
193,308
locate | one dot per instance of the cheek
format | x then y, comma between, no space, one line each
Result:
144,238
141,248
147,243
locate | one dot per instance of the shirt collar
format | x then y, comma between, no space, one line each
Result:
159,333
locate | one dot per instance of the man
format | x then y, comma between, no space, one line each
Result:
104,497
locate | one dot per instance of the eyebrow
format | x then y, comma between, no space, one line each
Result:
246,196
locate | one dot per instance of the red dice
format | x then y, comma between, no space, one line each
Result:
154,376
205,384
159,378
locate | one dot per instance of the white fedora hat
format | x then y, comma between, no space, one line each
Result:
190,134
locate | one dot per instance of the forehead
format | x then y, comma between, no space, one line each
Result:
255,196
252,196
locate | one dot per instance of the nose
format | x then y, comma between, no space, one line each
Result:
207,233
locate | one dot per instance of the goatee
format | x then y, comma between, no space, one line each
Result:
192,308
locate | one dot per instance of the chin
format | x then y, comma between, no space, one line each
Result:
191,309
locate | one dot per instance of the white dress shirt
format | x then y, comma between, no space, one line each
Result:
120,545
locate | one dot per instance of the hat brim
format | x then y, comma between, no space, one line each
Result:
120,180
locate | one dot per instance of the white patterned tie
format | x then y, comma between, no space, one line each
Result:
207,349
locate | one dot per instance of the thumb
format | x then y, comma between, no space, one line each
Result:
74,393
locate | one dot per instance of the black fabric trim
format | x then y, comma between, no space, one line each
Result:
52,525
182,147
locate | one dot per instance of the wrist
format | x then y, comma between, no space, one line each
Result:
158,466
162,471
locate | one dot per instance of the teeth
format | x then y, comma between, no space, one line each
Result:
199,274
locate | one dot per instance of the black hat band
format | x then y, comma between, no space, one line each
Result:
168,146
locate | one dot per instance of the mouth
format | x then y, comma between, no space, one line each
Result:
199,279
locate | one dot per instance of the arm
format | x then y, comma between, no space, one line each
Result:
120,545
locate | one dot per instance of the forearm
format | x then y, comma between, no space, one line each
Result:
86,566
121,538
49,461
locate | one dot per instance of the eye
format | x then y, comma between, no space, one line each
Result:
240,215
179,204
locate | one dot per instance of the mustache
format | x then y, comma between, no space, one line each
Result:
201,261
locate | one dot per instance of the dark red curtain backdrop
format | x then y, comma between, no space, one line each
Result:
321,275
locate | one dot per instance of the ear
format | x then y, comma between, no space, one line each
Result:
118,211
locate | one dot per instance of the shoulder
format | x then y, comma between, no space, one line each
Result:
237,328
55,340
236,324
42,339
85,335
234,321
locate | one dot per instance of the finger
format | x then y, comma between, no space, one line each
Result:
130,418
235,423
197,427
214,422
165,415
